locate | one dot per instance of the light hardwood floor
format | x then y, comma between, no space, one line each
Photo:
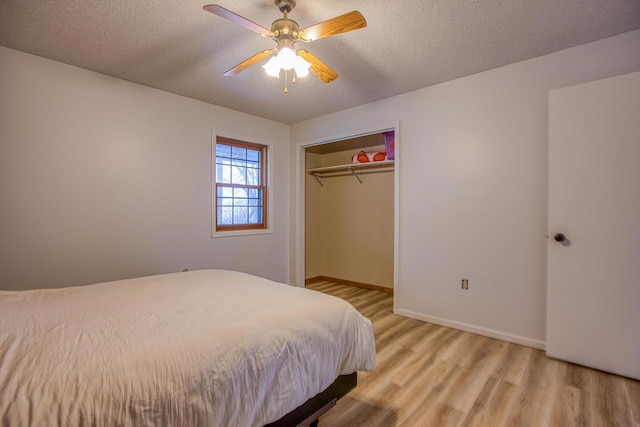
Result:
429,375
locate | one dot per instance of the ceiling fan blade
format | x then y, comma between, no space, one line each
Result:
340,24
318,67
240,20
248,62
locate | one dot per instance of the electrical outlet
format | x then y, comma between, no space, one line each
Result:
465,284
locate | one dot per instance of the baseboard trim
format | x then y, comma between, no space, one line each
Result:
317,279
478,330
312,280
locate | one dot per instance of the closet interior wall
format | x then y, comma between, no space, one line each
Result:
349,225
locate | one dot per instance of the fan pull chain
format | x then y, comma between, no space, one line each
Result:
286,77
286,80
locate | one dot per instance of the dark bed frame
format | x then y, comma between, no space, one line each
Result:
308,413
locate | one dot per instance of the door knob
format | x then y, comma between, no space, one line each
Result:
560,237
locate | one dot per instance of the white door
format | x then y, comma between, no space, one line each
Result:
593,306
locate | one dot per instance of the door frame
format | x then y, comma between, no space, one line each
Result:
300,180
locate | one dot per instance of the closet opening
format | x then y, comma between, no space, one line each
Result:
349,211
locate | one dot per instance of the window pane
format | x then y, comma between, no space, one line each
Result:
253,193
239,153
223,174
240,192
255,165
254,202
253,176
253,155
240,215
225,192
223,150
225,215
225,201
255,215
240,202
239,175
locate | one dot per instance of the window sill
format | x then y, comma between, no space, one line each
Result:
235,233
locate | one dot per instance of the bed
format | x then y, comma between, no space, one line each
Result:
208,347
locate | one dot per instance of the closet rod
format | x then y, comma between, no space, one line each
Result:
355,169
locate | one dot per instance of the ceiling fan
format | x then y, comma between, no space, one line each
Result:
286,33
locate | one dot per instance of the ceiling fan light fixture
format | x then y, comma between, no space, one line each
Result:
301,67
272,68
286,58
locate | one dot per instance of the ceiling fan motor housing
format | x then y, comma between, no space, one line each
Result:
285,27
285,6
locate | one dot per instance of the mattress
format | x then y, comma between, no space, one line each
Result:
209,347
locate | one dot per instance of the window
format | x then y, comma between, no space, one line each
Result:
241,185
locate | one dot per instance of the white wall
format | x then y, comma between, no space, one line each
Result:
473,186
103,179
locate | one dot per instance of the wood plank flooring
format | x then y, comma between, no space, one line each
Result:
429,375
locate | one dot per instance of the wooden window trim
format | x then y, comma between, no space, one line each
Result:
263,179
238,143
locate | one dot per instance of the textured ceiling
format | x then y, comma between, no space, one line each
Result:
176,46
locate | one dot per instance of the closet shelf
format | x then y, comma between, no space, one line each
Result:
355,169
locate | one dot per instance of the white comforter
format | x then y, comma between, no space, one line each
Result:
211,347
